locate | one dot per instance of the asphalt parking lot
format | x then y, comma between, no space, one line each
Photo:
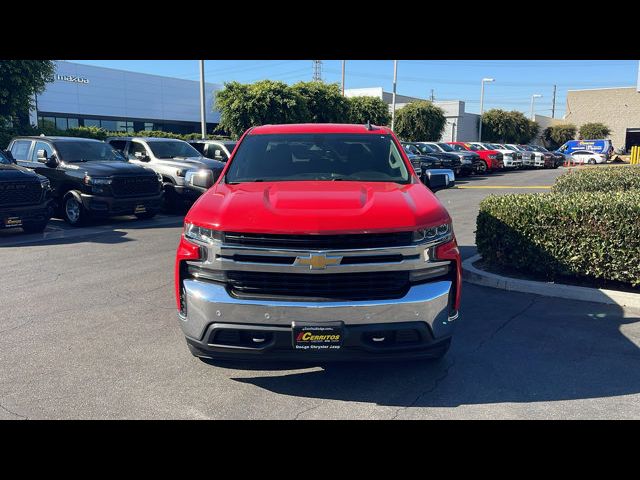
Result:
88,330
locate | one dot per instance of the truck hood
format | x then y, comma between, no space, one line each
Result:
12,173
317,207
194,162
106,169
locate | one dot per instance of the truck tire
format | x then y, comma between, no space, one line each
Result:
441,351
482,168
145,215
34,227
72,210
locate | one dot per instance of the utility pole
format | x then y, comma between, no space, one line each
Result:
203,113
343,66
317,70
432,97
553,103
393,101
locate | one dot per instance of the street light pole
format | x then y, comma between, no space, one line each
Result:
393,101
533,97
484,80
203,113
343,66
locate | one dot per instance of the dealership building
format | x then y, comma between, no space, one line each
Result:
460,126
119,100
617,108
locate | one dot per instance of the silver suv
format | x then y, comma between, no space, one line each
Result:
173,159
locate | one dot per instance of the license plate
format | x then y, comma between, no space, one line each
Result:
140,209
317,337
12,222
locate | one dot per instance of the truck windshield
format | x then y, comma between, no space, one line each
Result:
299,157
446,147
427,149
85,151
172,149
458,148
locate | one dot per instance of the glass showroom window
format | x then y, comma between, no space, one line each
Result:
73,123
61,123
91,122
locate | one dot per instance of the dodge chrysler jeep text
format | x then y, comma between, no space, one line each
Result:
318,241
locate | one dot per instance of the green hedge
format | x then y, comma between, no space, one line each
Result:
599,179
593,234
6,134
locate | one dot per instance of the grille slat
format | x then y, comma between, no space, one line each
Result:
319,242
20,193
344,286
134,186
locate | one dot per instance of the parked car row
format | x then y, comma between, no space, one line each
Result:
78,178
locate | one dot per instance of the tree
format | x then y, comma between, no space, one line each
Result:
20,80
420,121
243,106
557,135
593,131
368,109
324,102
507,127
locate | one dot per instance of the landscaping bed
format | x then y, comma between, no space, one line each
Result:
585,232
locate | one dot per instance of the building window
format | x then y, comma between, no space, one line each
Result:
148,126
110,125
91,122
72,123
47,122
61,123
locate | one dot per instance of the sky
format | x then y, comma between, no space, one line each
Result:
515,80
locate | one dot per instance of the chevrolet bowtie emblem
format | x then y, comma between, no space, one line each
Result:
318,261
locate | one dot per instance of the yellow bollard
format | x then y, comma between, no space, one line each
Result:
634,155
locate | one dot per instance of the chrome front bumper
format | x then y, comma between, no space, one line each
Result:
209,303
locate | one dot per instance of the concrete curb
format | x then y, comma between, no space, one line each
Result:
476,276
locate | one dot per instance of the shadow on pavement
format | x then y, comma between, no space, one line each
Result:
106,231
509,347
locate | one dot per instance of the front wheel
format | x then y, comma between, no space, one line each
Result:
34,227
592,161
482,168
145,215
72,210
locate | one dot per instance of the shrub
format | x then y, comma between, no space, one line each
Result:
599,180
590,234
368,109
507,127
420,121
595,130
557,135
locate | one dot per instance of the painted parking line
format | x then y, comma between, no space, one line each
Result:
535,187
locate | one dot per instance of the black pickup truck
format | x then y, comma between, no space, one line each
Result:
89,178
25,197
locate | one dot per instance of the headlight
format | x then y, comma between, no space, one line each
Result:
96,180
432,234
202,234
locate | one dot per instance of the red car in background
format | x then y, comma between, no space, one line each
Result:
492,158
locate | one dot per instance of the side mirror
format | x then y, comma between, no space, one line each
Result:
9,155
201,179
439,179
51,162
143,157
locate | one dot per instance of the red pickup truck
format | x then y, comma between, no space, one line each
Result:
492,158
317,241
